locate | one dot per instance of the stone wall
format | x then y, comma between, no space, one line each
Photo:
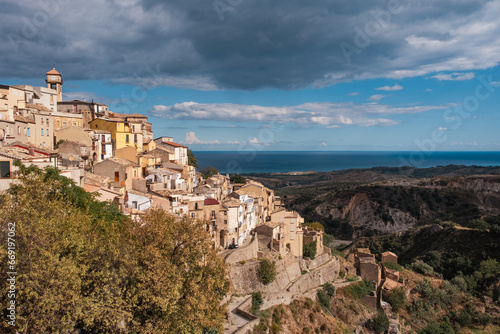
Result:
318,260
244,253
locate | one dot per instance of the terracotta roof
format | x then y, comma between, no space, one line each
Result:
389,253
37,106
53,71
211,201
22,119
136,115
90,188
171,143
123,162
231,203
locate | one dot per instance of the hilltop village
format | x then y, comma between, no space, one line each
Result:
117,157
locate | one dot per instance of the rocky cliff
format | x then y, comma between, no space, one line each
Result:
397,205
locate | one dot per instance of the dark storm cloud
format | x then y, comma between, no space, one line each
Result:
246,44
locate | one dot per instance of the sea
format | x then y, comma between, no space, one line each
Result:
239,162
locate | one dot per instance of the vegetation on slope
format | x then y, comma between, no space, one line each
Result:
82,265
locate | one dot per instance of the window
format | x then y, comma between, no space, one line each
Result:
4,169
52,99
127,139
74,109
225,213
196,206
134,204
117,176
135,138
74,123
292,236
225,221
25,131
18,130
58,123
65,125
103,138
28,132
41,131
47,132
292,228
192,215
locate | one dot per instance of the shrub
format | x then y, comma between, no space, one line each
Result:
459,282
379,323
479,224
360,289
421,267
256,302
464,319
396,297
323,298
329,289
267,271
310,250
484,319
393,266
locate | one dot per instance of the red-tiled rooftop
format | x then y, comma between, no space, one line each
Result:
211,201
53,71
173,144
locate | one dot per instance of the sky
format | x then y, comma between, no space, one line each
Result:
241,75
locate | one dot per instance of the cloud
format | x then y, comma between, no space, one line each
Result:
442,129
496,83
377,97
254,141
323,144
354,94
454,76
326,114
258,44
428,90
390,88
192,139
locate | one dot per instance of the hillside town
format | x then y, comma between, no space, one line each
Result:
117,157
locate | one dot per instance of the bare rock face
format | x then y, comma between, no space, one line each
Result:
361,211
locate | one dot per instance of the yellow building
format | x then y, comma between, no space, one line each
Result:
121,133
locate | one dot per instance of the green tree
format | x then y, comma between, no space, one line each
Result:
180,281
379,323
267,271
421,267
309,250
81,268
256,302
396,297
479,224
209,171
237,178
192,160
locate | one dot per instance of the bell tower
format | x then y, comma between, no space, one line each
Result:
54,81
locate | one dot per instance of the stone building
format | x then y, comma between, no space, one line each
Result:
293,232
120,171
312,235
389,257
